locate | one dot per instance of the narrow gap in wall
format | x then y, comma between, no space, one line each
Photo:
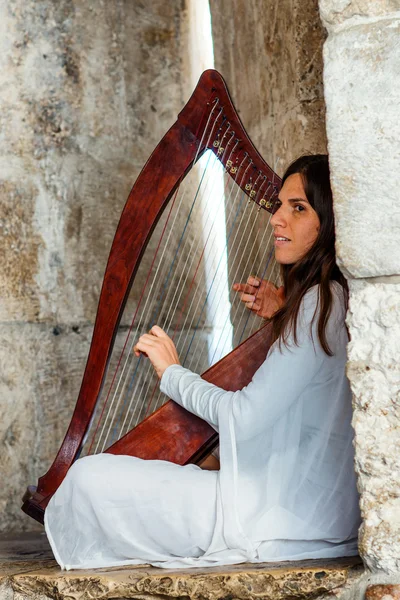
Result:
201,50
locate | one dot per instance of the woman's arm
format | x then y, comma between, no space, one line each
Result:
279,381
275,386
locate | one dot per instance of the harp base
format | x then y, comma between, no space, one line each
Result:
34,504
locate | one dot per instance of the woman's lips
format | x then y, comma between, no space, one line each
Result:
281,242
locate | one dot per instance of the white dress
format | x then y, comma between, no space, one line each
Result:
286,489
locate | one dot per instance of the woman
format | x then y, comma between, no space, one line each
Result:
286,487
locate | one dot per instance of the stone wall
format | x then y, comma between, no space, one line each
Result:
86,91
362,88
270,53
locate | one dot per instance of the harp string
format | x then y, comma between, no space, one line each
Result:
181,311
130,328
271,277
215,104
166,325
179,268
246,313
245,271
174,305
189,329
145,319
140,395
129,378
228,318
242,269
171,295
274,277
251,269
239,268
247,317
263,268
184,327
244,230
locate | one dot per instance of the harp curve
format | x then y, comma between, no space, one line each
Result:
173,157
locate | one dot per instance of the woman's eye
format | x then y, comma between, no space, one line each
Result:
299,207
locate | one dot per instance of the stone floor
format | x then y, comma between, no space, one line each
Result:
28,571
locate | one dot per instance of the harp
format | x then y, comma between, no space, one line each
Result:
186,253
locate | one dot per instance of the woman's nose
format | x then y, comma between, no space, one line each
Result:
278,218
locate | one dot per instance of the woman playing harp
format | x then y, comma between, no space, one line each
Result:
286,486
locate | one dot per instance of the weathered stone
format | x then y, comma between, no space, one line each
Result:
383,592
79,85
39,386
347,13
39,577
270,54
361,90
374,374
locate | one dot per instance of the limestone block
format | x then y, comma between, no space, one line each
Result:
282,581
270,53
42,368
337,13
374,374
361,91
81,110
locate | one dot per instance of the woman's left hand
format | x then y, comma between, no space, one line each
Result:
160,349
260,296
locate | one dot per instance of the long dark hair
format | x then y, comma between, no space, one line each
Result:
318,266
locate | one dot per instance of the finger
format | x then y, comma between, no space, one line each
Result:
138,351
254,281
247,298
238,287
250,305
244,287
147,344
158,332
148,338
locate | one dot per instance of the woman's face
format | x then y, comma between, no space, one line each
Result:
295,221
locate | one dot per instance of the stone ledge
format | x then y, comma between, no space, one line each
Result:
27,570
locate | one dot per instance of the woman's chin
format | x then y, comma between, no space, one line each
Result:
283,260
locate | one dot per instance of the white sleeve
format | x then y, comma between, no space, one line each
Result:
278,382
193,393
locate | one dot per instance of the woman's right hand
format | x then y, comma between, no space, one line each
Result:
260,296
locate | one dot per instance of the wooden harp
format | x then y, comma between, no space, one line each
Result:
208,130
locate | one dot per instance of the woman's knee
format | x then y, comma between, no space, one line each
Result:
81,473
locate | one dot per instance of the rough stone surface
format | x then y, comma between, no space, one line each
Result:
38,388
362,87
81,110
361,58
270,54
383,592
28,571
336,14
374,374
